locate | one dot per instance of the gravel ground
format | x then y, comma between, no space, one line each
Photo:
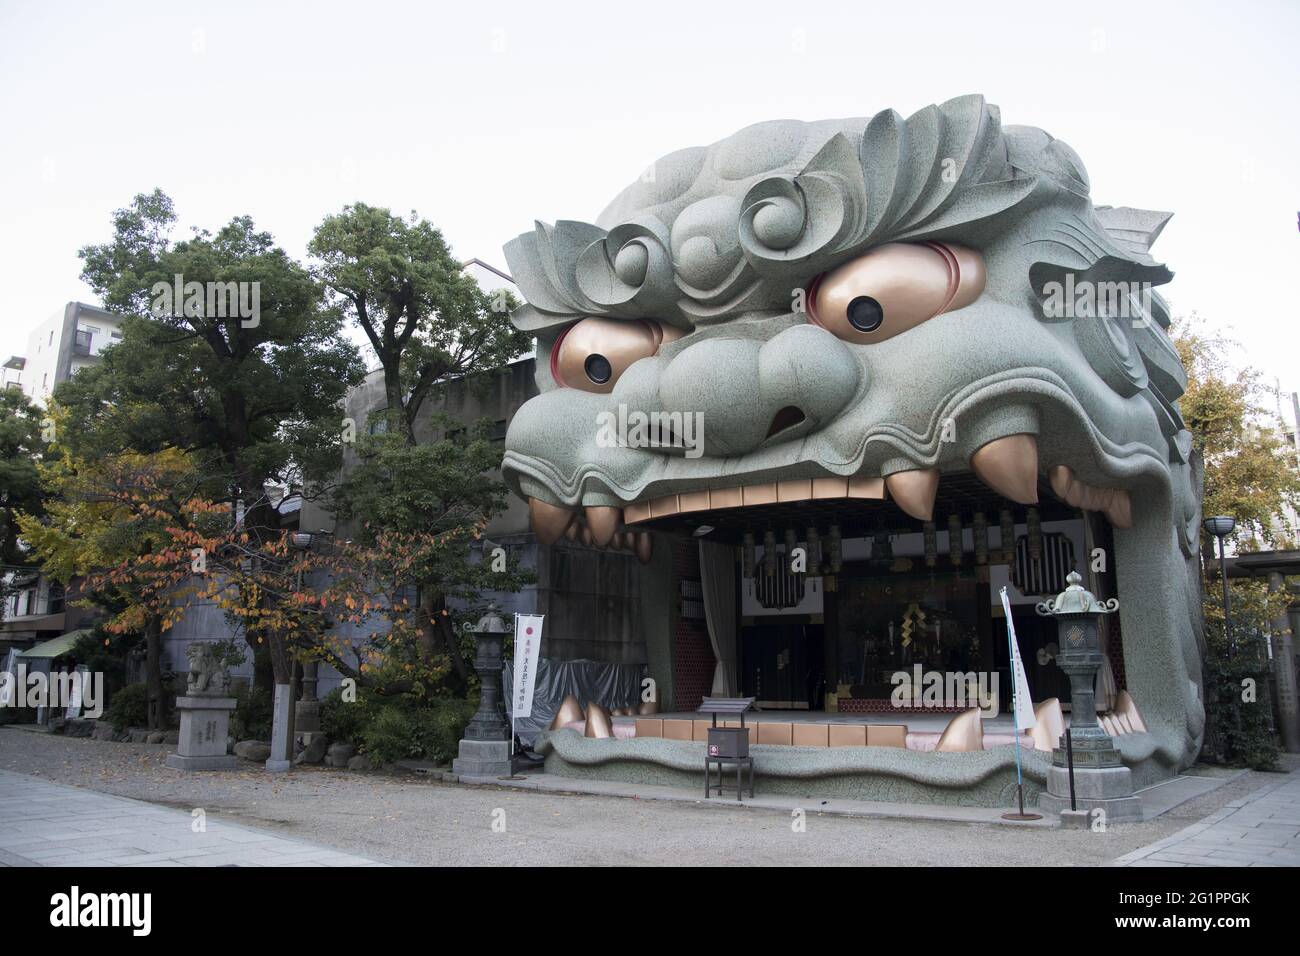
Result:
406,819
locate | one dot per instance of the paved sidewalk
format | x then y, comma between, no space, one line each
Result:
49,824
1262,829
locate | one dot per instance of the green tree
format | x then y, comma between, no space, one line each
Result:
253,401
429,323
1251,474
1250,470
426,319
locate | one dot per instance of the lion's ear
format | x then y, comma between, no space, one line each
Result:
1134,230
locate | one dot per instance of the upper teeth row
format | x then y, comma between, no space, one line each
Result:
1007,465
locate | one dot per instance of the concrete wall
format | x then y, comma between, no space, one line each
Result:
595,601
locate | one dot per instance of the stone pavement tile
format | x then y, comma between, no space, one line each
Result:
354,861
1257,830
236,835
1281,832
57,825
1182,856
322,859
1151,861
1240,856
46,858
227,859
137,858
156,863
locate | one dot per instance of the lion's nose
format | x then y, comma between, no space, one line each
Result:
747,392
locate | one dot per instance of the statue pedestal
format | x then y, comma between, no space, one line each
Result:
1109,789
483,758
205,725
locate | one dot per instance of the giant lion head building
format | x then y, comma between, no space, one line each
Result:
854,376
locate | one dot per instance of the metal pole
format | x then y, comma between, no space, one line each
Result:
1223,572
1069,763
514,678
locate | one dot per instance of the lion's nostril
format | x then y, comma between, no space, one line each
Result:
787,417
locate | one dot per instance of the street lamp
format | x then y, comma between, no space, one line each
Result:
1221,526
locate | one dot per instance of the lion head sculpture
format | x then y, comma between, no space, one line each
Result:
863,307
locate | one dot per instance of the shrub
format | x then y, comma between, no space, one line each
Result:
1237,731
429,730
129,707
105,653
342,720
390,735
251,719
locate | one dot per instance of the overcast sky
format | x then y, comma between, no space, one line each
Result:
484,117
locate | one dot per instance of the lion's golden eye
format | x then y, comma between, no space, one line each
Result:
894,288
592,353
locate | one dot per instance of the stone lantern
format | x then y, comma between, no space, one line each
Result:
1101,781
485,749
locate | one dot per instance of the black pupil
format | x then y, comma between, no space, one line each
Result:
865,314
598,368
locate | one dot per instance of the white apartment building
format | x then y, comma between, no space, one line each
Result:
62,345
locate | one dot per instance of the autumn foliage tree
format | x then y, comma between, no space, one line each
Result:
109,522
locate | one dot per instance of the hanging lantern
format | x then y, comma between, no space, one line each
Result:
769,553
747,555
931,536
981,530
1034,528
814,545
1008,528
954,540
837,555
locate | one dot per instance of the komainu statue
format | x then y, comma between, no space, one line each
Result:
208,676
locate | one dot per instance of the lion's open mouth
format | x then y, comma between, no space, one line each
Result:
1004,471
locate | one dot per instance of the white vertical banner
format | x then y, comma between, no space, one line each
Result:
78,690
528,645
1024,705
9,678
